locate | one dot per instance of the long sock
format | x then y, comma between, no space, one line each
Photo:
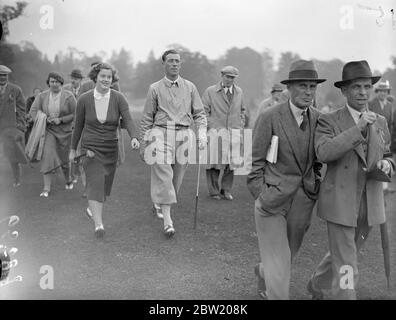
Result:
166,212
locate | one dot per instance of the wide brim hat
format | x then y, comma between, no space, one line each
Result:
356,70
302,70
230,71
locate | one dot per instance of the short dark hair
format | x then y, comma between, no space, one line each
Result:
170,51
56,76
93,74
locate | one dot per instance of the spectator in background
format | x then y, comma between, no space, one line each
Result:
75,83
59,106
75,86
276,97
12,123
29,120
225,110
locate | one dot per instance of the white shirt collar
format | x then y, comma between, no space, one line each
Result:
99,96
297,112
354,113
173,81
227,88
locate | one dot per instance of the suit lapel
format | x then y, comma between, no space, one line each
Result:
345,122
289,127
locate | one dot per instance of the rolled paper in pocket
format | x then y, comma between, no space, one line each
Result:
272,153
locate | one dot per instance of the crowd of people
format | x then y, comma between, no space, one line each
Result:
339,160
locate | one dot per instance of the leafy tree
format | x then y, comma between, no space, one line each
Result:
123,62
8,13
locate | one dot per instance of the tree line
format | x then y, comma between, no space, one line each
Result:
258,70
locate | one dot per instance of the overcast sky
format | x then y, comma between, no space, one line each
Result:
312,28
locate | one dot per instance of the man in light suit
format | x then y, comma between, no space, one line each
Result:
225,112
354,143
12,123
285,191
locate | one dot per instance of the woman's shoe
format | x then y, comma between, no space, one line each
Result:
169,231
158,212
69,186
88,213
44,193
99,231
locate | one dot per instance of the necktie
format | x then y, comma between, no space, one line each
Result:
364,132
229,95
304,123
174,83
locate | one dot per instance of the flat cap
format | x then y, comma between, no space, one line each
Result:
383,85
230,71
4,69
277,87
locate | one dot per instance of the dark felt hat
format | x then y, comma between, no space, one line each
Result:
356,70
76,73
303,70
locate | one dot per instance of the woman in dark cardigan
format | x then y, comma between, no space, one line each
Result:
97,117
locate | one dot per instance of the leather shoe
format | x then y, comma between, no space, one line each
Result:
169,231
261,288
316,295
69,186
44,193
99,232
158,212
226,195
216,197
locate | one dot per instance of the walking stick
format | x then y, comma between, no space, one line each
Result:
197,196
76,159
385,250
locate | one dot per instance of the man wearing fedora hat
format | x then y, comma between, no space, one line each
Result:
75,83
285,190
276,97
12,123
354,143
225,112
